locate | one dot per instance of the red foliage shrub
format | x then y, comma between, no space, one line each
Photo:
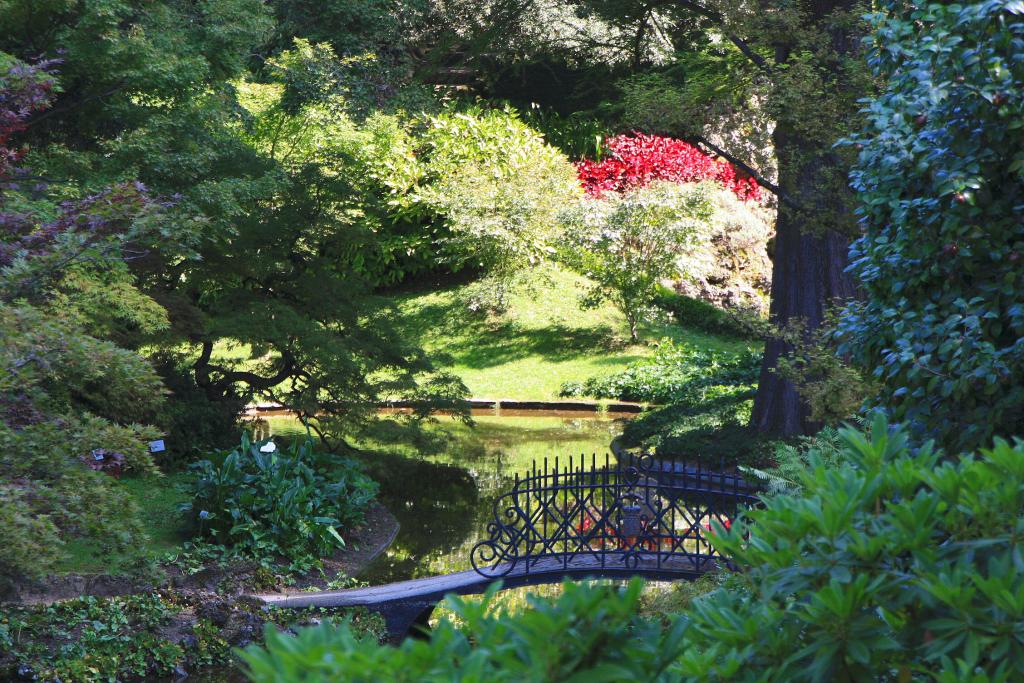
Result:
636,160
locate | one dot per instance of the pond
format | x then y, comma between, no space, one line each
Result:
444,501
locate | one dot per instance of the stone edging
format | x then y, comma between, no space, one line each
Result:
498,404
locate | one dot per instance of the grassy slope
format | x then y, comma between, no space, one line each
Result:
544,340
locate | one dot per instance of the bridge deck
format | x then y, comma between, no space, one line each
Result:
545,570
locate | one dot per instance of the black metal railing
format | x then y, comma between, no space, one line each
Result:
636,516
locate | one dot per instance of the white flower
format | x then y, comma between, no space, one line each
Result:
268,447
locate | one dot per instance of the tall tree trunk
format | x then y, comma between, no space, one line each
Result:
808,271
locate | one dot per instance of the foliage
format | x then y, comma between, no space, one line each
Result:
91,640
731,268
256,250
894,565
264,504
49,496
706,399
700,315
584,634
143,636
715,433
941,179
352,27
708,92
833,389
498,186
666,601
68,393
576,134
792,459
191,421
627,243
311,238
636,160
677,372
358,84
151,54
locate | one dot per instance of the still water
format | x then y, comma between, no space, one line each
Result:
443,500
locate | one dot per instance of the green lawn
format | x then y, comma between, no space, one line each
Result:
544,340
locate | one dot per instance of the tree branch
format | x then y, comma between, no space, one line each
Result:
719,19
203,367
749,170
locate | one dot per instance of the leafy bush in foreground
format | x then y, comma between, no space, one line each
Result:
586,634
262,503
895,565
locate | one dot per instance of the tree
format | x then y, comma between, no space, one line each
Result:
497,189
73,403
803,62
627,243
259,244
941,178
286,283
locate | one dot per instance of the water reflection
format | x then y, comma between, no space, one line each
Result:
444,501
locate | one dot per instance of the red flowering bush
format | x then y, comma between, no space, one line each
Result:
635,160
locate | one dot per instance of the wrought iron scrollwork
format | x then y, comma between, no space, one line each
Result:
638,515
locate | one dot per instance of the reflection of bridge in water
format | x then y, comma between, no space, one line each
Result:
573,519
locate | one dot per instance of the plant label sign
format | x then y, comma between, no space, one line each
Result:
157,446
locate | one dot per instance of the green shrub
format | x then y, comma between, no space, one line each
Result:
193,423
706,398
90,640
586,634
790,459
676,373
715,433
48,497
833,389
731,268
627,243
265,504
894,565
700,315
578,135
497,186
941,258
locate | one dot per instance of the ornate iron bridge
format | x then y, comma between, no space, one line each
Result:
571,519
640,516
